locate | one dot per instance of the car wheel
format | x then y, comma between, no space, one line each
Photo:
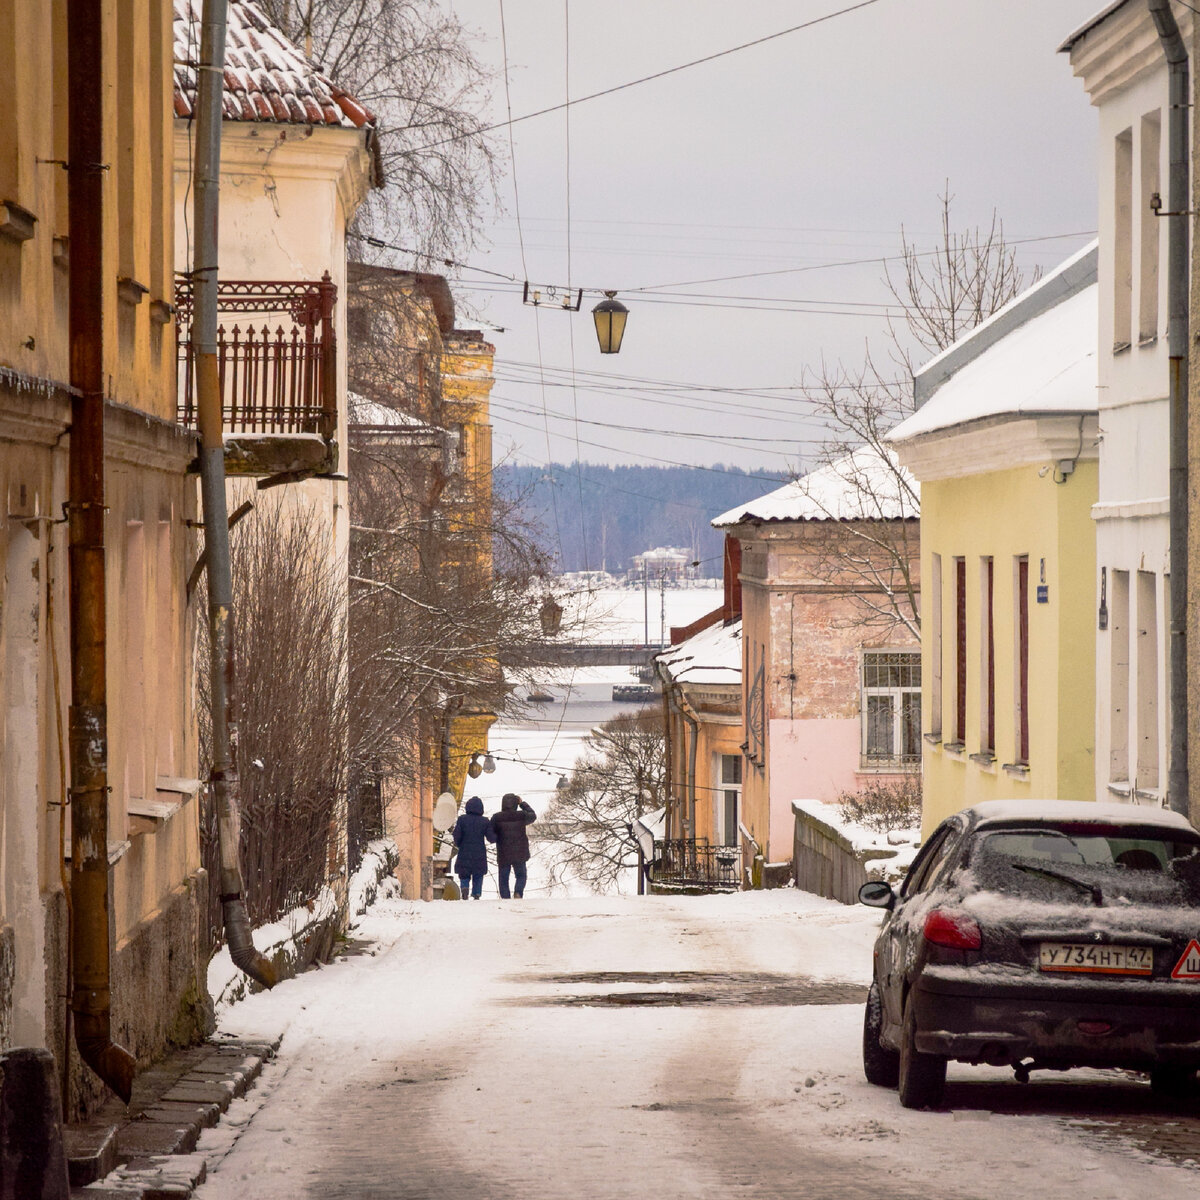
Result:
881,1066
922,1076
1173,1083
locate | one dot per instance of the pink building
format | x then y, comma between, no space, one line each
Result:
831,669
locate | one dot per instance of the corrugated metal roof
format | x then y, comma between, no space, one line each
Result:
266,77
867,485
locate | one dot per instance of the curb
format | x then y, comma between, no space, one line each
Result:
148,1149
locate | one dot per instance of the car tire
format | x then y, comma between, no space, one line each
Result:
881,1066
1173,1083
922,1076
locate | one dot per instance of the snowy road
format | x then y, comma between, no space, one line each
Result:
625,1047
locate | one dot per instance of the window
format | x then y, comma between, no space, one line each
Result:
1151,136
891,708
1021,639
1118,667
960,652
935,647
728,799
1123,240
1147,682
987,714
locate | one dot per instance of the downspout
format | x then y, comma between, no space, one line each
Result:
223,776
1178,197
91,998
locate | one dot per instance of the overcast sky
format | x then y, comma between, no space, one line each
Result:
807,150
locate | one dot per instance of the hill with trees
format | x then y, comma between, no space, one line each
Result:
593,516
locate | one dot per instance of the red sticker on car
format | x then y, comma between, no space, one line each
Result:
1188,967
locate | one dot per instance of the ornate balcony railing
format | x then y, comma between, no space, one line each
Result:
692,862
276,356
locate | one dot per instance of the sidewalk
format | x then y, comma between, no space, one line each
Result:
148,1149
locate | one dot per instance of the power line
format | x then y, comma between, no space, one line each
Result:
620,87
670,462
849,262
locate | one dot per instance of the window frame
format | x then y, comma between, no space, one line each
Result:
898,759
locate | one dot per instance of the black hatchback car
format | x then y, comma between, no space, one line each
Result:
1051,934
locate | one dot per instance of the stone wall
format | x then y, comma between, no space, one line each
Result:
159,991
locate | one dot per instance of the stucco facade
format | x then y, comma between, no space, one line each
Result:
804,636
1120,62
156,887
1005,445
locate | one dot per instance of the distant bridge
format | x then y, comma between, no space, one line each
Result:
590,654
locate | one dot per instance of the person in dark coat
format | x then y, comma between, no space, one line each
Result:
472,832
512,842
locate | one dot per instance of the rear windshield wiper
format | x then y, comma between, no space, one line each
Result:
1087,888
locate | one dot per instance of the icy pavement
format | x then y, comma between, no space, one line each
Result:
633,1047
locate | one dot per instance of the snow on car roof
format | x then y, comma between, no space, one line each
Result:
1077,810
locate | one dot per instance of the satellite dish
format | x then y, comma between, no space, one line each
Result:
444,812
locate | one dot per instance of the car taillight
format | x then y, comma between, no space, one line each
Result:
953,929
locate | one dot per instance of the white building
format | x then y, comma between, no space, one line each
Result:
1118,58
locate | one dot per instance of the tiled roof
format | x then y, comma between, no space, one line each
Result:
266,77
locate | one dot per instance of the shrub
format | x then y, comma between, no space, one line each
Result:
884,805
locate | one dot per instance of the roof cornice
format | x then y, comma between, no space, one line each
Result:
1000,443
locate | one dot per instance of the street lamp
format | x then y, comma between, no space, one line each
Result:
610,316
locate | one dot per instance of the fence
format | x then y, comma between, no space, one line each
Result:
277,376
693,863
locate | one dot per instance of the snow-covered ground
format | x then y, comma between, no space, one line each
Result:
465,1052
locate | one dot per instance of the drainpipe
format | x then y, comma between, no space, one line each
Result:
1177,348
91,1000
223,776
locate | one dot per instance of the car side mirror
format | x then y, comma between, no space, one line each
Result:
876,894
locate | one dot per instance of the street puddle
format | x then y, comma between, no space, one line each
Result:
679,989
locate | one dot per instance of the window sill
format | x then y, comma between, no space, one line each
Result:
1016,770
1120,348
984,759
932,739
958,748
1120,788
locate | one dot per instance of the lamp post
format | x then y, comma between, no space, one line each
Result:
610,316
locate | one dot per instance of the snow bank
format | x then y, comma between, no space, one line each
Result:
307,932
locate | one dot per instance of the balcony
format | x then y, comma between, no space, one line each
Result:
277,364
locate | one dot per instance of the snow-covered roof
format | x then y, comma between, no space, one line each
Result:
1091,24
362,411
867,485
712,656
266,77
1078,810
1046,364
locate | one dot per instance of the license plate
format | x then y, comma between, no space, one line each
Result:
1096,960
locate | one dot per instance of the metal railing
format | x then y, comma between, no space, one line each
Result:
692,862
278,375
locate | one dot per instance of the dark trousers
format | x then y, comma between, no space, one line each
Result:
519,877
472,883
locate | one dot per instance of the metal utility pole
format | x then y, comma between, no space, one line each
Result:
91,1003
223,775
1178,198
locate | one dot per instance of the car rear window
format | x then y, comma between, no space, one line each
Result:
1065,862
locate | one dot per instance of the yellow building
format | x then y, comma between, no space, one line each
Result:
1004,443
94,273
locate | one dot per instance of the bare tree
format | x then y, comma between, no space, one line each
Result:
621,775
945,293
412,63
290,600
871,540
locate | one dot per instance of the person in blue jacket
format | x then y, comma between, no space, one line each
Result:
472,832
